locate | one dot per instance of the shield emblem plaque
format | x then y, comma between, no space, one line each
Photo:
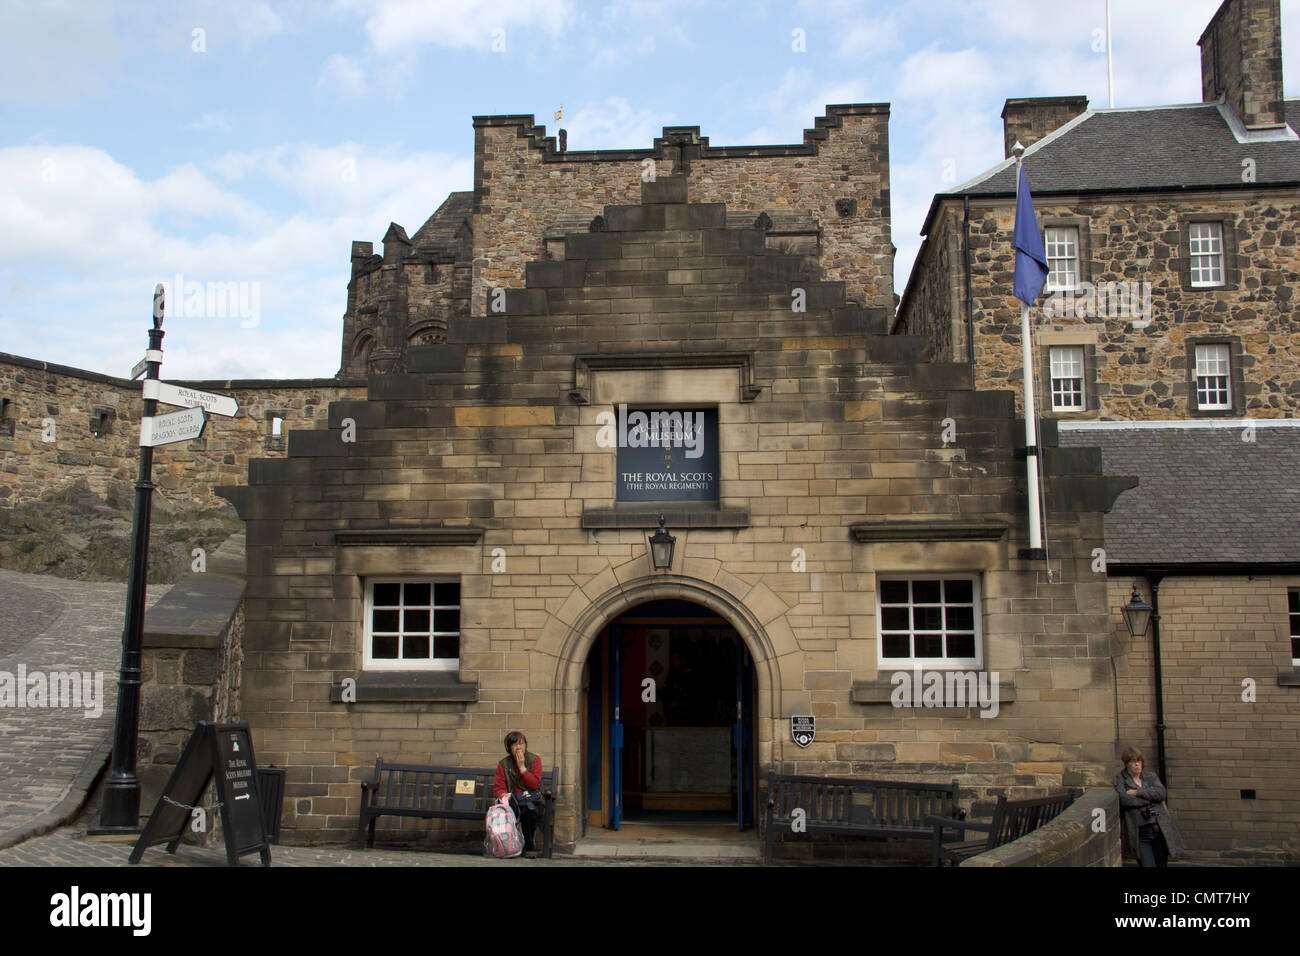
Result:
802,730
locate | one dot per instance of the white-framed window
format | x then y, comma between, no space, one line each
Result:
929,621
1066,372
1213,375
1205,248
412,624
1062,245
1293,613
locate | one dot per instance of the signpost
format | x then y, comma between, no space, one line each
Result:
226,752
178,426
152,355
186,397
120,811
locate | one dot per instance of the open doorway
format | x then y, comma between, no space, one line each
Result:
668,725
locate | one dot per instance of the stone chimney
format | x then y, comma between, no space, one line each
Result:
1241,60
1031,118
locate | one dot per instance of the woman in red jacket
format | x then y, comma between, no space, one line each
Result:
520,774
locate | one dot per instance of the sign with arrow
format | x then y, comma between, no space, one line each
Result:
191,398
178,426
142,366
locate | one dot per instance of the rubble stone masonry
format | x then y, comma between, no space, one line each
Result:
1137,373
34,394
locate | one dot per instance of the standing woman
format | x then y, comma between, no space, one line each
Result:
1150,835
519,774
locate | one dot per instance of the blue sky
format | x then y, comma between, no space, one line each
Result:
251,141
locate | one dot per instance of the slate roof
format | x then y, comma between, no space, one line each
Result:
1160,148
439,230
1204,495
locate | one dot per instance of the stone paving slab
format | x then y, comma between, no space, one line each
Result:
49,756
66,846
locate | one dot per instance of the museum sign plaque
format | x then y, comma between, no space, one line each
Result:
666,454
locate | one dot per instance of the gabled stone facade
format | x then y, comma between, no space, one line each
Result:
481,462
828,194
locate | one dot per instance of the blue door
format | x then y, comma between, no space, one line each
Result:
742,739
616,728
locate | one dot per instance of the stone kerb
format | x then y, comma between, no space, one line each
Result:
1069,840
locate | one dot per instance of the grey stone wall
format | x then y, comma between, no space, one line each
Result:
1080,836
191,670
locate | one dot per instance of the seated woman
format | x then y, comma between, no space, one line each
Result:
519,774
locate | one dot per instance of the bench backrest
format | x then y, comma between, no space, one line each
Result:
857,801
402,786
1012,819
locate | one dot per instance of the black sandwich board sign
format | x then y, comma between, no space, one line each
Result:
226,751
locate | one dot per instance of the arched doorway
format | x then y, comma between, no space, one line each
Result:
668,720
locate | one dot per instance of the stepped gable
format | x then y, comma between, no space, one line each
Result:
665,284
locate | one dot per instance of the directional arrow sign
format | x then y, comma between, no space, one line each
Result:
150,355
191,398
178,426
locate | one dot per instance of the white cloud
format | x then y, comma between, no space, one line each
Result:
83,239
942,74
794,104
211,121
868,38
342,75
255,20
614,124
56,52
397,27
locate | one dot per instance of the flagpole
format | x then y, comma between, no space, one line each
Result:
1110,66
1031,429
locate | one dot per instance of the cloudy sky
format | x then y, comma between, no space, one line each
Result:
250,141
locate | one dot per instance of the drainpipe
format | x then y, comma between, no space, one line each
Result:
970,302
1154,576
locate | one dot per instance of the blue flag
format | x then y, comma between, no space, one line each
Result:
1031,259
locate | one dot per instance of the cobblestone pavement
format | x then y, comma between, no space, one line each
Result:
49,755
66,847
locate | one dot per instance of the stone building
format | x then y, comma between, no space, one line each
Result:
59,425
1211,540
1166,337
465,552
1171,233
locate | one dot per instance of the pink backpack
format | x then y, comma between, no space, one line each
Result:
505,837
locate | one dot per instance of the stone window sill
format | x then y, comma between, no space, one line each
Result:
1289,678
880,692
409,686
676,515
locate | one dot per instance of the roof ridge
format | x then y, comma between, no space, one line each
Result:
1032,148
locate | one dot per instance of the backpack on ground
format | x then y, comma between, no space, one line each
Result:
505,837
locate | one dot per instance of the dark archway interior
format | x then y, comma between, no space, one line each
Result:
681,680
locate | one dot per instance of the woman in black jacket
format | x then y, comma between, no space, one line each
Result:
1150,836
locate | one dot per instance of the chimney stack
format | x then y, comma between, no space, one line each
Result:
1241,60
1031,118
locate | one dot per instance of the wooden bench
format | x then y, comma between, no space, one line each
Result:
417,790
1012,819
855,807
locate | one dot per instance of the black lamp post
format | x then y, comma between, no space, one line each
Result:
661,548
120,811
1137,614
